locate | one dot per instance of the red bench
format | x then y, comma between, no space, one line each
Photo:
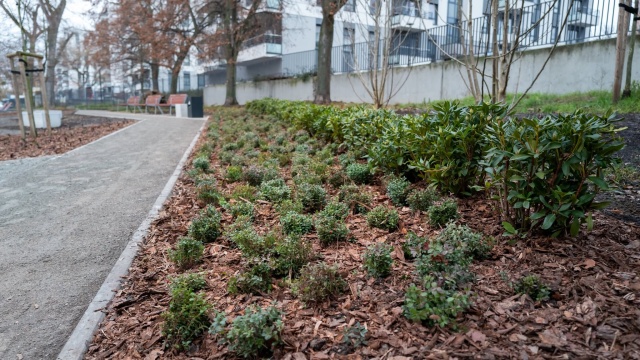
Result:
174,99
152,101
133,102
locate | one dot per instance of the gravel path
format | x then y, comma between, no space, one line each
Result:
65,220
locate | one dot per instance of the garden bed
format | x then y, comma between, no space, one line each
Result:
592,308
76,130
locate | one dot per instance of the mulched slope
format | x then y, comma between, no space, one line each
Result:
593,311
61,140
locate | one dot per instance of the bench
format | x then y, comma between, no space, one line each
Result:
133,102
152,101
174,99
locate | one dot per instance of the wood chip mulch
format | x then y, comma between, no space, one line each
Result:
60,141
594,310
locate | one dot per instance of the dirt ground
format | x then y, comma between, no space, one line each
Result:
593,310
75,131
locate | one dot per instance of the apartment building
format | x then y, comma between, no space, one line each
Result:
412,32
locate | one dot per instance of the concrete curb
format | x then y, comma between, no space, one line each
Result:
78,343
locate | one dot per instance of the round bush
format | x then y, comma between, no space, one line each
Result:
359,173
383,218
296,224
313,197
206,227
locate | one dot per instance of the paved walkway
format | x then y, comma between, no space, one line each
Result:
65,220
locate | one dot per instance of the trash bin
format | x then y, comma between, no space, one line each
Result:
196,107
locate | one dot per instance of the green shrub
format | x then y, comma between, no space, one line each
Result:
441,214
275,190
255,281
414,246
377,260
206,227
256,175
434,305
330,230
422,199
296,224
230,147
207,189
234,173
312,197
248,240
397,190
256,333
192,282
336,210
206,150
319,282
338,179
292,253
244,192
287,206
354,336
551,183
384,218
357,200
186,318
241,208
359,173
532,286
188,252
201,163
461,236
346,160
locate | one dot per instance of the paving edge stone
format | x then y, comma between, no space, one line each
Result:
79,340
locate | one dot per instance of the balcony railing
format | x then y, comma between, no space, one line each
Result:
584,17
273,41
407,10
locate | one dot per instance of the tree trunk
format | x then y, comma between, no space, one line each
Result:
325,45
621,43
230,98
54,18
155,74
632,42
494,51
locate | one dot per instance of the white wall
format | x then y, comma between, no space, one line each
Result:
572,68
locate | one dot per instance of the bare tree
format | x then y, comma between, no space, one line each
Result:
53,13
325,45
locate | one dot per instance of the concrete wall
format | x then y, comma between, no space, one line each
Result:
572,68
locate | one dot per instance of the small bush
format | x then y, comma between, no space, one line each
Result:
201,163
377,260
338,179
288,206
244,192
256,175
206,227
384,218
397,190
188,252
296,224
462,237
440,215
312,197
230,147
234,173
422,199
192,282
248,240
434,305
319,282
414,246
256,333
206,187
255,281
336,210
292,253
532,286
359,173
358,201
241,208
330,230
186,318
354,336
275,190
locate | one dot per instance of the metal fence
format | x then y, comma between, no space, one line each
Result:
538,25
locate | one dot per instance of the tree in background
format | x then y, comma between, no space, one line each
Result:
323,82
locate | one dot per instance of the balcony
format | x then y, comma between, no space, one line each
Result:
408,17
216,66
270,6
260,48
581,17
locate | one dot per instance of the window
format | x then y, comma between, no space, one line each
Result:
349,36
350,5
186,82
318,29
187,60
200,81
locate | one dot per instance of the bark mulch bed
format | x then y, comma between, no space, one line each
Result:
76,130
593,311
